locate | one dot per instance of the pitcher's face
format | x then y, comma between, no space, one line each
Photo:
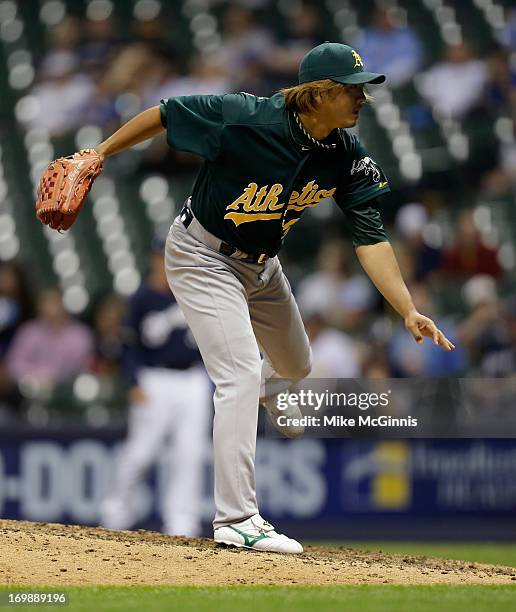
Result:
341,108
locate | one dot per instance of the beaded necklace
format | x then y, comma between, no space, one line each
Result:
313,140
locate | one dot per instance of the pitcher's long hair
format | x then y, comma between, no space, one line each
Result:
306,97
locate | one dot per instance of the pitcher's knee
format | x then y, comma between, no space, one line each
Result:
296,369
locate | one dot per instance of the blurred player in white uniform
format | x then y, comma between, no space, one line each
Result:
170,409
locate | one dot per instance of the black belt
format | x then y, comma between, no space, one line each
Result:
186,217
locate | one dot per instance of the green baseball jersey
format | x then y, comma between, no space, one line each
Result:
261,171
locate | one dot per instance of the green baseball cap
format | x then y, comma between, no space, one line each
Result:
337,62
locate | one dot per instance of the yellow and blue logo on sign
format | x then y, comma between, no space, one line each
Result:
379,479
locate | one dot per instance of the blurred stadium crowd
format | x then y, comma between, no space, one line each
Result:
442,128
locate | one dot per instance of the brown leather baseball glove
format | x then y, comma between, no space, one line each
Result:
64,187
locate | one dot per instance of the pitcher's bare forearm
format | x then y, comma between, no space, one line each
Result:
380,264
145,125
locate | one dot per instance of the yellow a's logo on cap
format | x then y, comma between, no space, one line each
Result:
358,60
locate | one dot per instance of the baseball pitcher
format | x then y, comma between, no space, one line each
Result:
266,161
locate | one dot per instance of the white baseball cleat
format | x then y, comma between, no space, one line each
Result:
289,425
257,534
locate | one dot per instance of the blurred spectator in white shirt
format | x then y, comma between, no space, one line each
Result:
455,85
343,298
334,353
62,94
390,48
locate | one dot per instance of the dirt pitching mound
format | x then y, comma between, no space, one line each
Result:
46,554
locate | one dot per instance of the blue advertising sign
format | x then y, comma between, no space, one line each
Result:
330,485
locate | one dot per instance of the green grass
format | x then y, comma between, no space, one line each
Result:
489,552
365,598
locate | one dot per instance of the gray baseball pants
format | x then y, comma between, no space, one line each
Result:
234,310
